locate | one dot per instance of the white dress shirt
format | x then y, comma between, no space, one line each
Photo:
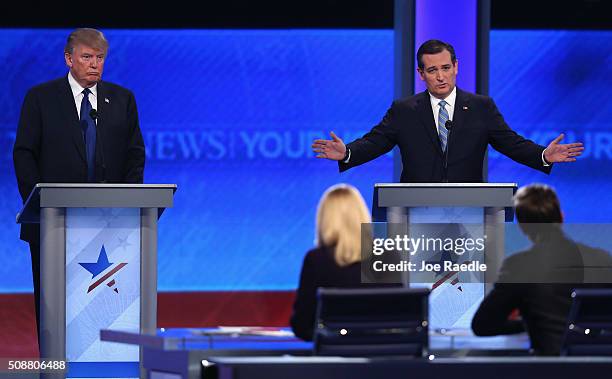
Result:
450,106
77,93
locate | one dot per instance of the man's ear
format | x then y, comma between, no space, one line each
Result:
421,74
562,217
68,59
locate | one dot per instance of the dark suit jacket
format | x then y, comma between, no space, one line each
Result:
538,282
319,269
49,147
477,122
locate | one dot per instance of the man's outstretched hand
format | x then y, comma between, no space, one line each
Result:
333,149
556,152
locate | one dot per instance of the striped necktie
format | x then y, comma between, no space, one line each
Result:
442,131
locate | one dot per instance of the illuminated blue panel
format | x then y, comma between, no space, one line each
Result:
454,22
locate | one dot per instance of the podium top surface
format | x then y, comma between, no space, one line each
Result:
95,195
444,194
104,185
445,185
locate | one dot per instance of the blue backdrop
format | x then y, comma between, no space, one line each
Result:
230,115
551,82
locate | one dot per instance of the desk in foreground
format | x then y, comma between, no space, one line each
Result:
178,353
474,368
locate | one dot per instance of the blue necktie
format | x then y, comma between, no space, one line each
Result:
89,132
442,118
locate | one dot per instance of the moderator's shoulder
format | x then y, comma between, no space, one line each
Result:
317,256
594,253
518,259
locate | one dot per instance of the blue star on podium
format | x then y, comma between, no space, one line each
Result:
102,264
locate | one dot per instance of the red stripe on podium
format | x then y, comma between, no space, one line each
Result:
106,276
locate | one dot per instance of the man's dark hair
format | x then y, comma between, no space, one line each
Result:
434,46
537,204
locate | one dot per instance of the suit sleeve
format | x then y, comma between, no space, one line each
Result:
304,308
135,159
511,144
26,151
491,318
378,141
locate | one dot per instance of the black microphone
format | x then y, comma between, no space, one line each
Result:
93,113
449,126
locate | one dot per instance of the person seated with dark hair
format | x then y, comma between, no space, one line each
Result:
335,261
539,281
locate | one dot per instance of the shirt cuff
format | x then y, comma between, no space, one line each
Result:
546,164
348,156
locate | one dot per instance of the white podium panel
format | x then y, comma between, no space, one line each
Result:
102,281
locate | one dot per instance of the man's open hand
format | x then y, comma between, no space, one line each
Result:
556,152
333,149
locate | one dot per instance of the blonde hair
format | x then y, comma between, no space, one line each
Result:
340,213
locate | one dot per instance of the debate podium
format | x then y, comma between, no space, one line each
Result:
98,270
477,210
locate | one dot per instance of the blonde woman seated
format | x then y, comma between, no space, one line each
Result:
335,262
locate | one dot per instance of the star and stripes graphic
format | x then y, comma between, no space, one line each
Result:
102,270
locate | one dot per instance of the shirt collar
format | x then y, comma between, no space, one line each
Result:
77,89
450,99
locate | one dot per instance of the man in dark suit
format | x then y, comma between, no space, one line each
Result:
76,129
538,282
443,133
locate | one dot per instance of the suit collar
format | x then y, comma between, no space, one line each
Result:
103,100
104,104
68,109
462,109
425,113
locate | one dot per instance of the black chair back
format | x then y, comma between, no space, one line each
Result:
372,322
589,326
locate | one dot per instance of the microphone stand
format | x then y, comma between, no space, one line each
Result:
93,113
449,126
